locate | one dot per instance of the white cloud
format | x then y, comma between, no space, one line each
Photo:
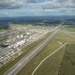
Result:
61,6
47,6
9,4
29,1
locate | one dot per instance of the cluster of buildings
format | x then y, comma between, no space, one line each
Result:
12,41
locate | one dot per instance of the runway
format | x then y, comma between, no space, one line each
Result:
19,65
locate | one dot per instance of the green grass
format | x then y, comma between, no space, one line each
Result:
26,50
1,30
68,63
70,28
47,50
51,65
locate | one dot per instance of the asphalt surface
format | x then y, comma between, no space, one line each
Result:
19,65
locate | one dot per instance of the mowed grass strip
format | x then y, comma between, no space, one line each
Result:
25,51
47,50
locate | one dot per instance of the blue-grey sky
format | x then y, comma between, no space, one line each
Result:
36,7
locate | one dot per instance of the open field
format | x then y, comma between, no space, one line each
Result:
25,51
68,64
55,43
51,65
70,28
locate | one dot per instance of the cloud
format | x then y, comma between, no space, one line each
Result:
61,1
13,4
30,1
60,6
10,4
46,6
56,4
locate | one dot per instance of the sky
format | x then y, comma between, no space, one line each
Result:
36,7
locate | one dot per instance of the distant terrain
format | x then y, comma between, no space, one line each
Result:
43,20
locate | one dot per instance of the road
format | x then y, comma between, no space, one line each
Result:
19,65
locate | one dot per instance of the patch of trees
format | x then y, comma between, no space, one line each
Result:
4,26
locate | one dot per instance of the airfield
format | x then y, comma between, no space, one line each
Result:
46,56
